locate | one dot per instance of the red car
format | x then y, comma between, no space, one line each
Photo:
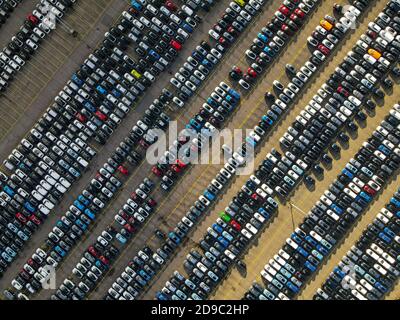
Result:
180,163
101,115
156,171
170,5
80,117
144,144
324,49
285,10
35,220
176,168
123,170
299,13
33,19
252,73
32,263
176,45
93,251
104,260
286,30
151,202
129,228
237,70
343,91
369,190
235,225
21,218
133,11
231,30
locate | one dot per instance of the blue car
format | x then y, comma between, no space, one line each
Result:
154,54
296,238
223,241
269,51
292,287
311,241
348,173
365,196
212,102
380,287
101,90
384,150
161,296
28,206
339,272
231,100
196,125
187,27
207,64
234,93
389,232
60,251
116,93
217,228
9,191
81,224
136,5
90,214
77,80
267,120
174,237
144,275
83,200
262,37
384,237
251,141
79,205
336,208
62,226
209,195
303,252
310,266
89,106
322,249
120,238
396,202
264,213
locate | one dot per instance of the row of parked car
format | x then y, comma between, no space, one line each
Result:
114,162
328,222
227,239
344,94
196,135
48,160
249,191
272,39
370,269
169,165
98,258
134,218
210,194
6,8
27,40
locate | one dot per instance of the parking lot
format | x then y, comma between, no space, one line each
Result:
60,54
45,74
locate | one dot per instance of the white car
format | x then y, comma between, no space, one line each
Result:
213,34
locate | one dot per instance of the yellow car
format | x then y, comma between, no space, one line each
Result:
374,53
136,74
326,25
240,2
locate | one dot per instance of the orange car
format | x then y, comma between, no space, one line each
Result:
326,25
374,53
